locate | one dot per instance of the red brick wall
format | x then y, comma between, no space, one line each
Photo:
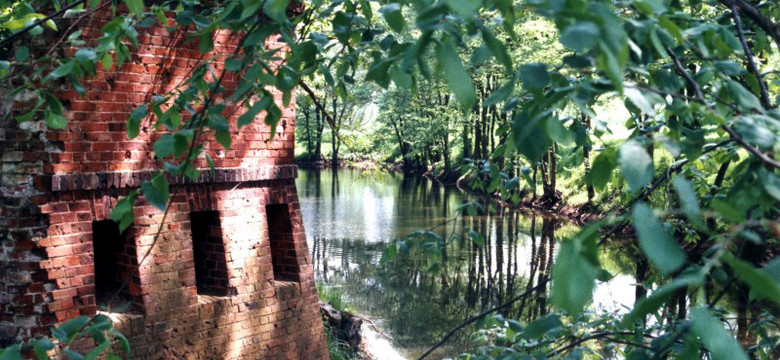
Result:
55,184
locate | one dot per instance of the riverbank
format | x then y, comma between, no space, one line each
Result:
577,214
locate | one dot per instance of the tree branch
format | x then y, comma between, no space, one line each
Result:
734,135
481,315
39,22
749,55
647,191
754,14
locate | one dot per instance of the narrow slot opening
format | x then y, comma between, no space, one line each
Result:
280,233
211,274
117,283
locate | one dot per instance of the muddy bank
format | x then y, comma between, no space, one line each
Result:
362,339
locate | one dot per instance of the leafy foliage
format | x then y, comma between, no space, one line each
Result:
98,328
695,79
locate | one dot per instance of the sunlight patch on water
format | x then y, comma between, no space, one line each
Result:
616,295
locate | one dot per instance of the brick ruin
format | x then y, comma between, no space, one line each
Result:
230,276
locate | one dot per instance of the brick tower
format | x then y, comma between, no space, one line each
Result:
229,277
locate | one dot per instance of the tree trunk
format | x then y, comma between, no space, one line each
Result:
466,140
586,159
334,162
309,144
320,118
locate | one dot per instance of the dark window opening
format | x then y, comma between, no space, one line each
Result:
280,233
117,283
211,275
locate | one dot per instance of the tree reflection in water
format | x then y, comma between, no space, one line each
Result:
351,218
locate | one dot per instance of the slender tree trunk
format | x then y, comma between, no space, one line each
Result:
553,171
494,115
319,116
533,187
586,159
478,126
334,145
466,140
309,144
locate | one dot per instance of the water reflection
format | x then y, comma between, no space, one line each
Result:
350,218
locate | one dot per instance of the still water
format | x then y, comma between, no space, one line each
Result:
351,217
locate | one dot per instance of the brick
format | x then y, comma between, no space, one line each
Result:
56,183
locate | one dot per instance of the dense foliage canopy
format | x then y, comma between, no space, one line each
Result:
697,78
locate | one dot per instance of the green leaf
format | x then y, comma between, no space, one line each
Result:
529,136
557,132
500,94
55,105
107,61
601,171
640,101
249,116
574,276
720,343
464,8
658,298
476,238
580,36
688,200
97,350
224,139
136,6
233,64
5,65
55,121
156,191
458,79
123,211
744,98
394,17
760,282
84,55
498,49
73,355
205,42
124,343
22,53
378,72
134,121
658,246
13,352
164,146
542,325
401,78
771,183
276,9
727,210
534,76
41,348
73,326
670,26
608,62
636,165
63,70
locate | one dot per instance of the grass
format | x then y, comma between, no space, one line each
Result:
338,350
331,296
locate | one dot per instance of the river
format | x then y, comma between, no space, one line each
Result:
352,216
